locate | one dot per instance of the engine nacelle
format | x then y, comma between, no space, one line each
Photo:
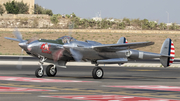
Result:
132,54
135,54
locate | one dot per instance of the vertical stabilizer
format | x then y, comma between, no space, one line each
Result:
122,40
167,53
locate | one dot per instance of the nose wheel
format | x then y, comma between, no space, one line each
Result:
39,73
97,73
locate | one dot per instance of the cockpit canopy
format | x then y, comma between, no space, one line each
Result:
61,40
66,39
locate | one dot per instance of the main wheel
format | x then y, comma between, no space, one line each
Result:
39,73
97,73
51,70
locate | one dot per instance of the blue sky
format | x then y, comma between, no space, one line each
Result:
155,10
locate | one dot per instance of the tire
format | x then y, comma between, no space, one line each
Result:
97,73
50,71
38,73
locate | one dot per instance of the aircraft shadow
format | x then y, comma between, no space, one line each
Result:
122,77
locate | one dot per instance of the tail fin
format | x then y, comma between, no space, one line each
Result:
122,40
167,53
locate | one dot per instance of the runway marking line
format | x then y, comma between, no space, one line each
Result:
141,70
109,98
75,93
172,95
14,89
26,79
151,87
13,93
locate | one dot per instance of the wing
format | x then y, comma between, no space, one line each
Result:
118,47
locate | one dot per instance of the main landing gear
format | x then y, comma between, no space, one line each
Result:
97,73
51,70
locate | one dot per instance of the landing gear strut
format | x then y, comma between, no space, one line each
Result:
97,73
40,71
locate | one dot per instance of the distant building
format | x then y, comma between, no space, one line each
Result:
178,24
111,20
29,2
97,18
153,21
168,24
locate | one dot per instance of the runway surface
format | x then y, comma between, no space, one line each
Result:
76,82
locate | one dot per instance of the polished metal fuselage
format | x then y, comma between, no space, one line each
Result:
86,50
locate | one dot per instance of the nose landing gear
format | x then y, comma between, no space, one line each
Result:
40,71
51,70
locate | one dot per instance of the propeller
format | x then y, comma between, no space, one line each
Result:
74,52
32,39
71,27
18,35
23,44
19,65
58,54
76,55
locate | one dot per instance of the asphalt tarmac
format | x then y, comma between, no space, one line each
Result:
77,80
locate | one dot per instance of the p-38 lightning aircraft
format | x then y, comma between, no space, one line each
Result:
66,49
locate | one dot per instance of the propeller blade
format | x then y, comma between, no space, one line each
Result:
58,54
18,35
32,39
71,27
76,54
19,65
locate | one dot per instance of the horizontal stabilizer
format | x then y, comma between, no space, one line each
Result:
167,56
12,39
113,61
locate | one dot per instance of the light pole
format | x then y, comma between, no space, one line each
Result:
167,17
